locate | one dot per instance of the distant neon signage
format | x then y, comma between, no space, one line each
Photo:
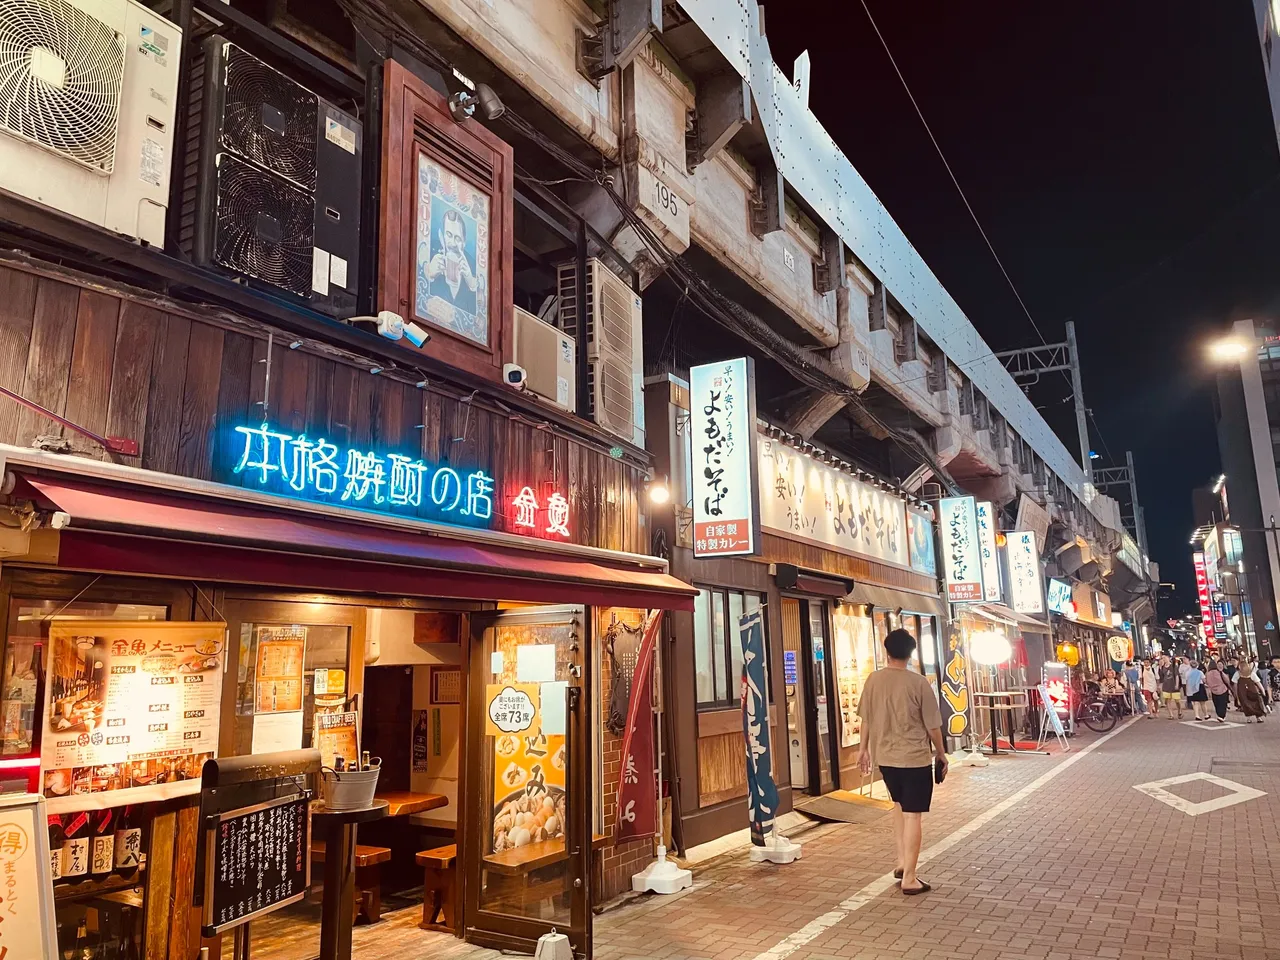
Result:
316,469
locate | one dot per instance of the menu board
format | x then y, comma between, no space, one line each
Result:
280,667
131,710
336,735
258,859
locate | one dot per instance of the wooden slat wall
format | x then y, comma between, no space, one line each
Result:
722,771
179,382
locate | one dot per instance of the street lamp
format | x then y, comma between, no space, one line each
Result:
1227,349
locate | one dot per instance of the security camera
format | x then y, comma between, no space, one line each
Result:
514,375
462,105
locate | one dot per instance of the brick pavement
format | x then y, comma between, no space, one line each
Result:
1085,866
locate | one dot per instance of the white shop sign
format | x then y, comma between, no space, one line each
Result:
802,499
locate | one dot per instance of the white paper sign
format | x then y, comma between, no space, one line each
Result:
1024,572
277,731
990,557
722,429
553,707
802,499
961,555
536,663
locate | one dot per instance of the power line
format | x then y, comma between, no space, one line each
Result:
951,174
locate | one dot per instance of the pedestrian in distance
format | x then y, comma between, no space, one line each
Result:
1133,685
1219,687
1170,686
1197,695
902,734
1151,688
1184,667
1249,694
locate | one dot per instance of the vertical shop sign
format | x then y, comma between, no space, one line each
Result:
1025,593
955,687
637,785
847,685
990,556
1202,592
762,792
961,554
27,924
722,425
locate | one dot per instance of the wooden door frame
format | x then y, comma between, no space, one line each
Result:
475,807
238,608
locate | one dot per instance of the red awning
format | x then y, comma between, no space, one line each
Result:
129,529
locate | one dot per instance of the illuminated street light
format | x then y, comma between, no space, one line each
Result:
1228,349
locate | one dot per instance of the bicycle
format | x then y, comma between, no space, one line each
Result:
1100,714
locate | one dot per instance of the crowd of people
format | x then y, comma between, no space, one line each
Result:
1207,688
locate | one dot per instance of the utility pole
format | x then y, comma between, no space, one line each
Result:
1028,363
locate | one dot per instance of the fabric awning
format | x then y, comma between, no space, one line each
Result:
132,529
887,598
1021,620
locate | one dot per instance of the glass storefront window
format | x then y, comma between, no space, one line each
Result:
717,652
28,634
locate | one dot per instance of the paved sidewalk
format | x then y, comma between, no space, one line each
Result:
1083,866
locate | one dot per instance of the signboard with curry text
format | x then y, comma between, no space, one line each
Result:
961,552
722,427
804,499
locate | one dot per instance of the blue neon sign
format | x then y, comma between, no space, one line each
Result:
316,469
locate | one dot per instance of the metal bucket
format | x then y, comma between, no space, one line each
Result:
350,789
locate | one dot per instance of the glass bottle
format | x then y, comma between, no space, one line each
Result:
75,848
128,843
56,836
102,845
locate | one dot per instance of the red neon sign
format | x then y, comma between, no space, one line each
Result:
1202,592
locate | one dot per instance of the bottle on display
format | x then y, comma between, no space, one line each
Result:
128,843
56,835
102,845
82,949
75,848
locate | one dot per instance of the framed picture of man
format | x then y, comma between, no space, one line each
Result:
446,230
452,275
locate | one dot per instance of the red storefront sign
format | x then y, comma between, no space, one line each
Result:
1202,591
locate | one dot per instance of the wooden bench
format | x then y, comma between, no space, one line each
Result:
368,901
439,888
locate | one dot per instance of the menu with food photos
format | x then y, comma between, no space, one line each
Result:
131,710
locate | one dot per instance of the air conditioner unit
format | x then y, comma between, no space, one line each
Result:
271,185
87,91
549,358
610,323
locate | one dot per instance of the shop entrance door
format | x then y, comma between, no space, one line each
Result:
797,712
823,765
526,837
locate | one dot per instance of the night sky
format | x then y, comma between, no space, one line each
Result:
1121,158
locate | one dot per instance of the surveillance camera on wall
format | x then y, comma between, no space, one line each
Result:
514,375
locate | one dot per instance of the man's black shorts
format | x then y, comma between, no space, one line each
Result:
910,787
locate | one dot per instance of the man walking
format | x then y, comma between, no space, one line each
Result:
902,735
1133,685
1170,685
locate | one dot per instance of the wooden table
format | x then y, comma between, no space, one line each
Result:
1008,706
402,803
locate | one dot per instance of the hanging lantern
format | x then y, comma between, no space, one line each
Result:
1069,653
990,648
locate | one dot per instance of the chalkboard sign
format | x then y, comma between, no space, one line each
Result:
258,860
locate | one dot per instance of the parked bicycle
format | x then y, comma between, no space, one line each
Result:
1095,711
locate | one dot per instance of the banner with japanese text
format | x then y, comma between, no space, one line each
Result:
131,710
804,499
961,552
637,784
990,554
722,427
1026,593
762,791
